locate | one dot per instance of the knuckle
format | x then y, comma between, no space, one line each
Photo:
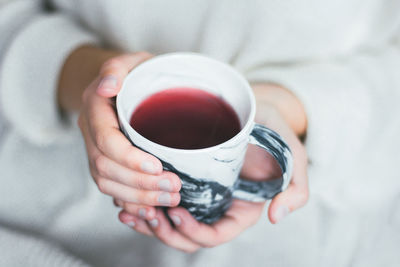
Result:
154,198
190,250
132,158
93,173
175,181
143,54
80,121
210,244
144,197
163,236
130,208
140,183
217,240
253,221
102,185
112,63
118,203
85,96
100,163
101,140
300,153
175,199
303,196
304,154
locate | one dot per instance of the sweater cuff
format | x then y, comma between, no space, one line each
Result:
29,77
335,102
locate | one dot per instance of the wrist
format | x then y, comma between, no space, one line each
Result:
277,99
80,68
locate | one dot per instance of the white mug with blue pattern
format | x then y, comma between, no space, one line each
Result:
210,176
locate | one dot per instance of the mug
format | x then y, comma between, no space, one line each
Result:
209,176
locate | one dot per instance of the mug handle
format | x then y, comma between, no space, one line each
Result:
274,144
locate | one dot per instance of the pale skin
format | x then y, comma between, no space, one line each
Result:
91,77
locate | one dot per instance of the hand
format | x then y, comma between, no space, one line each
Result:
189,235
281,111
119,169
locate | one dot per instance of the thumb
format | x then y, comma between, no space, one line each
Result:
294,197
114,71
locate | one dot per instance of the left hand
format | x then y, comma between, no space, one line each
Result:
189,235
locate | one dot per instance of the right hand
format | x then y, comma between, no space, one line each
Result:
131,176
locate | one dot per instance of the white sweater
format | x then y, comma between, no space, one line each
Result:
341,58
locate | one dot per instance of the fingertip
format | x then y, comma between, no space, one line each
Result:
169,182
176,181
166,199
175,216
159,219
152,166
125,217
151,213
158,167
284,203
106,92
176,220
176,199
270,217
108,86
271,211
277,213
183,215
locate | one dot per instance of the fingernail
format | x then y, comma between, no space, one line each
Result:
175,219
281,213
165,185
108,84
153,223
148,166
131,224
164,199
142,213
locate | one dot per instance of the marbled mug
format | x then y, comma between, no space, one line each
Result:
210,176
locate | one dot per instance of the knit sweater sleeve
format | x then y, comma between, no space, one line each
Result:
18,249
33,47
348,100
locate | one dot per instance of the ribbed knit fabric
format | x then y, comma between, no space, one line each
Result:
33,252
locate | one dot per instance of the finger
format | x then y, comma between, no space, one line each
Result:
260,165
240,216
167,181
91,150
135,223
106,136
101,164
125,193
142,211
114,71
297,193
163,230
294,197
132,195
118,203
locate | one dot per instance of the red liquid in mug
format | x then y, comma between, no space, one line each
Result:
185,118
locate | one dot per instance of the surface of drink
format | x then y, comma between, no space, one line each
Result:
185,118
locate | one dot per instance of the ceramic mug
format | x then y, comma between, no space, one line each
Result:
209,176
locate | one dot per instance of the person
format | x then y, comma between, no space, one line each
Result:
321,71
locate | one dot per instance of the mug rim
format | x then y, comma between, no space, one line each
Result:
130,130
